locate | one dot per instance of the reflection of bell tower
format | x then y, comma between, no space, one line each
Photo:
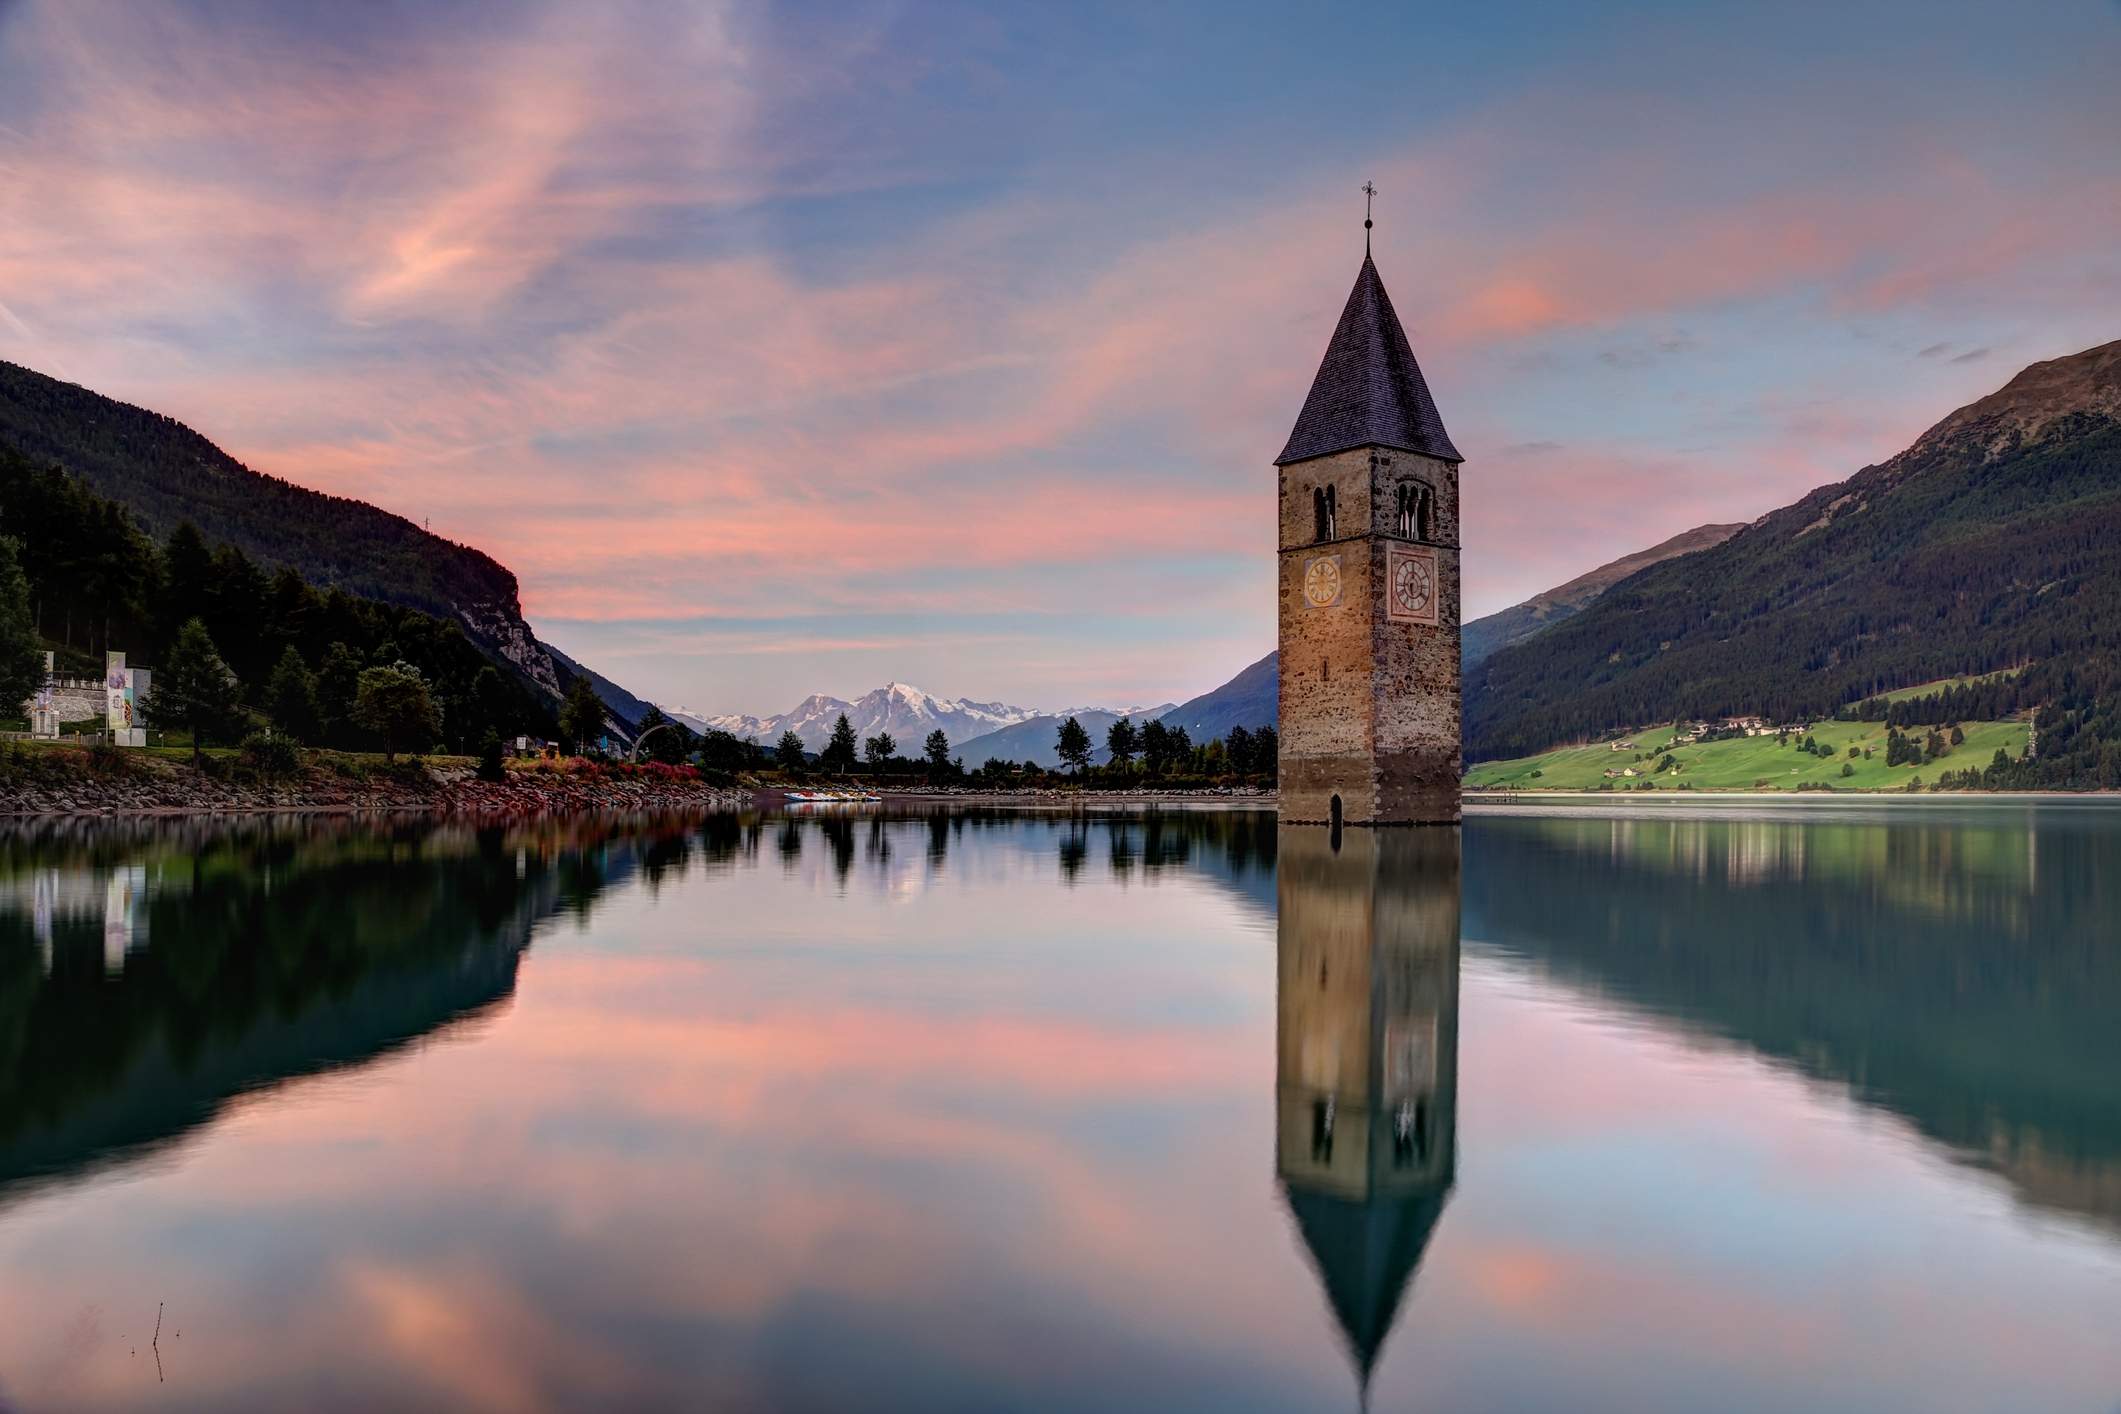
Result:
1366,1073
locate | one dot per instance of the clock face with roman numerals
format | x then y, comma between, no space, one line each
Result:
1322,581
1411,585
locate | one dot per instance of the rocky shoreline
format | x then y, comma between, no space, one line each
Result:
161,788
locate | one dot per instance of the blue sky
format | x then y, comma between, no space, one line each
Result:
793,348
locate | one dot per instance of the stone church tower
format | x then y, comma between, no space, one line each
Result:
1368,585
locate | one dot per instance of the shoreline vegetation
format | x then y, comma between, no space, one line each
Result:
50,780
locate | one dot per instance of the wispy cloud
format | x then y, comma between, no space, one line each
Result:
734,309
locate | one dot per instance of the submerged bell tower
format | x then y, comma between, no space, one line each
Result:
1368,584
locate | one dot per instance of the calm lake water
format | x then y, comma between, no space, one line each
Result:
1710,1108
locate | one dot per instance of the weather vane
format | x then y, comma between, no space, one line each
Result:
1369,194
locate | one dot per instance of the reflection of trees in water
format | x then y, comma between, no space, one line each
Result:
1233,847
274,948
1957,970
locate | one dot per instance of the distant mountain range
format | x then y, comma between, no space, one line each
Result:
1993,542
901,709
164,473
1250,700
978,731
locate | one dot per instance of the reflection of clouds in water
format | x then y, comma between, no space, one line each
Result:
721,1148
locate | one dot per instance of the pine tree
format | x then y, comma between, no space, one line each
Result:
194,690
338,678
187,581
788,752
1156,747
1122,741
489,709
581,716
291,697
838,754
491,765
21,664
937,750
1074,745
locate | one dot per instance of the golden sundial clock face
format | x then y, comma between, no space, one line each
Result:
1322,581
1411,581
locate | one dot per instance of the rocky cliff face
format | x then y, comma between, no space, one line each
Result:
2081,387
499,627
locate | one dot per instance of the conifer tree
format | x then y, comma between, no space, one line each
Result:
291,697
839,752
338,678
788,752
21,664
1074,745
581,716
194,690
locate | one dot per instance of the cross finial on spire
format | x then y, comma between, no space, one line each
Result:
1369,194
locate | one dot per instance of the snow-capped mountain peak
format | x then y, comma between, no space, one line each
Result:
907,713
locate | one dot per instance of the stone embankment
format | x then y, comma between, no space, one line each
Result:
159,787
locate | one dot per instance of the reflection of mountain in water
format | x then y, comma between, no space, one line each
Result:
1366,1073
149,975
1960,970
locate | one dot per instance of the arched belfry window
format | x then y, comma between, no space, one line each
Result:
1416,510
1322,513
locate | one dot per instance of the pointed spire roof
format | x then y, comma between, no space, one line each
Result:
1369,390
1366,1253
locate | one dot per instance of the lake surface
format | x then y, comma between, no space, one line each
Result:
1721,1107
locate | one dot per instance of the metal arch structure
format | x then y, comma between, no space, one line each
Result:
634,756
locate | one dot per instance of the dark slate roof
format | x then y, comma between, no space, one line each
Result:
1369,390
1366,1253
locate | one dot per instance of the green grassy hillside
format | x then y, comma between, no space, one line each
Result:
1746,763
1925,689
1993,543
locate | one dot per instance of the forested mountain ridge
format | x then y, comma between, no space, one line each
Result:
92,580
165,474
1483,636
1994,541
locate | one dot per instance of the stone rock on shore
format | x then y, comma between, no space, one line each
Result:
148,785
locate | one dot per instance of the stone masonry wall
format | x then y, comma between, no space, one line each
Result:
1369,705
1327,654
76,698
